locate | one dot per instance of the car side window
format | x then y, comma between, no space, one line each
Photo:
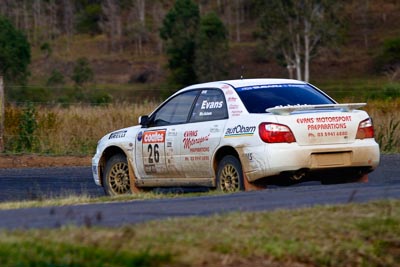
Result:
210,105
175,111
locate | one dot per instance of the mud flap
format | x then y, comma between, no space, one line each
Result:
251,186
132,179
362,179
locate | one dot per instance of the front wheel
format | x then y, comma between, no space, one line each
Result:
116,176
230,175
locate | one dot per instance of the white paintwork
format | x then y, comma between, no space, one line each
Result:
185,153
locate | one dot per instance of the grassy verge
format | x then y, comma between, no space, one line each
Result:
85,199
344,235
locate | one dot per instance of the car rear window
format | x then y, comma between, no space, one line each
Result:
258,98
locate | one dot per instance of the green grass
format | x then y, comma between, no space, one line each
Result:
70,199
342,235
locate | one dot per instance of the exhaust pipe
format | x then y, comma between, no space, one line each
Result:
298,175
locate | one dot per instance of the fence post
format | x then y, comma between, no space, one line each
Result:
2,102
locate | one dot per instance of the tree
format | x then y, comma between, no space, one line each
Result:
15,52
295,30
88,17
211,49
136,27
82,72
15,56
179,31
112,24
388,60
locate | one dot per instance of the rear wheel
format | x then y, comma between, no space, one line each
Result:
116,176
230,175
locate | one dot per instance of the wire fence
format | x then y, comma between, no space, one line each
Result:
137,93
72,95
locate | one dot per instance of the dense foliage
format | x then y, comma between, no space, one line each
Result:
15,53
179,32
389,57
211,57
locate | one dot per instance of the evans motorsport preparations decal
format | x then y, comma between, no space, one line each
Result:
240,131
326,126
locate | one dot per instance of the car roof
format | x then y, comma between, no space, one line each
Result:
244,82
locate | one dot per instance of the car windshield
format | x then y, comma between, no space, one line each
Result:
258,98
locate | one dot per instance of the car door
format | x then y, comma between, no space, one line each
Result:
202,135
158,144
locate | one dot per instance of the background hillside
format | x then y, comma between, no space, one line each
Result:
116,45
120,40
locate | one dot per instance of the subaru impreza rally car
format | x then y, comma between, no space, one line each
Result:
236,135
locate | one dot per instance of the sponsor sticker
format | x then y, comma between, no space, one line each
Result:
233,106
119,134
139,136
265,86
240,131
151,137
191,139
326,126
211,104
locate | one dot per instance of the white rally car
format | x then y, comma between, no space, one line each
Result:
236,135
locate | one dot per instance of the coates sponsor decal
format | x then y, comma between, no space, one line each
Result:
118,134
191,138
240,130
154,137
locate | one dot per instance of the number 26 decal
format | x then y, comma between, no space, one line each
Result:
154,154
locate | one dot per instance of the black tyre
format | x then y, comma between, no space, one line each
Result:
230,175
116,176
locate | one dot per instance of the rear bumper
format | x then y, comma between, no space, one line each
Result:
362,154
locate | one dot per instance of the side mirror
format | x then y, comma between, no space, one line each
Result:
144,120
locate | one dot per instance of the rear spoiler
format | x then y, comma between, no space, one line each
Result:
286,110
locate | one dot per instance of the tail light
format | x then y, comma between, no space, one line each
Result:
365,129
275,133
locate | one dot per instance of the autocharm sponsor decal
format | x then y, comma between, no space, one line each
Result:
240,131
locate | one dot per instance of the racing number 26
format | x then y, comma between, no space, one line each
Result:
154,154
